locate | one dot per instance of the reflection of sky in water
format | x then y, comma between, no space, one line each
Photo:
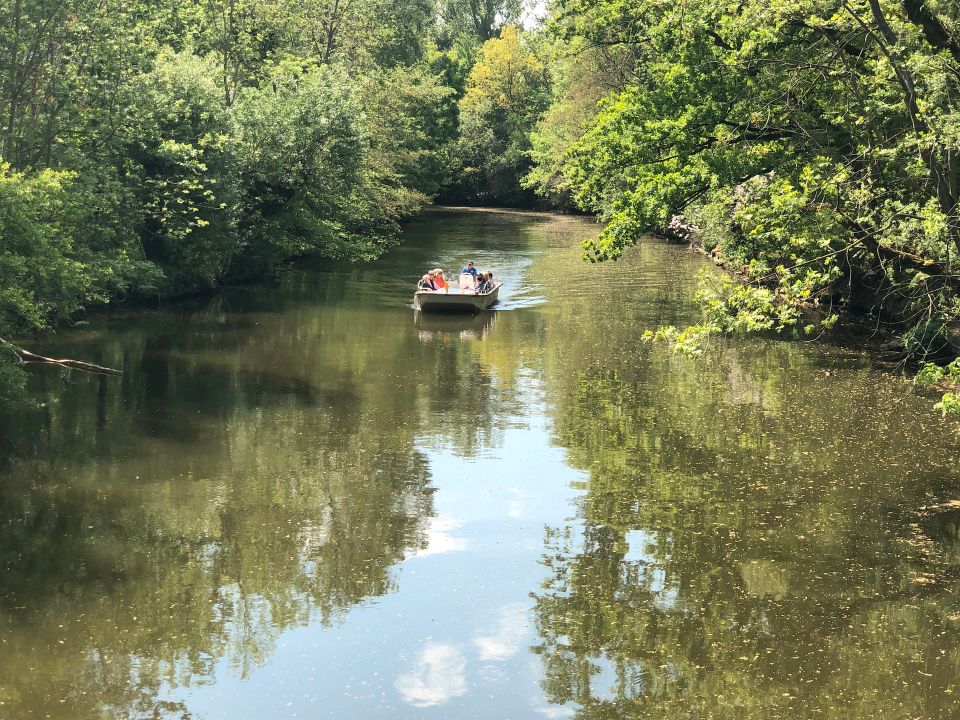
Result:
441,537
438,675
637,541
654,576
505,639
459,628
307,502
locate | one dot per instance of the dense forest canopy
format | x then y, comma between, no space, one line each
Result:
811,145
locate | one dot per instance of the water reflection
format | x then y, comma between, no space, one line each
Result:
300,501
505,638
742,548
439,674
255,470
441,537
433,326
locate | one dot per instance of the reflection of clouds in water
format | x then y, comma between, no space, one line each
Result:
439,675
517,503
556,711
504,642
440,538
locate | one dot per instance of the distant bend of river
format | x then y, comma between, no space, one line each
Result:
304,500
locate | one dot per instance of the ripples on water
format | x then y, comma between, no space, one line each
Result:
306,500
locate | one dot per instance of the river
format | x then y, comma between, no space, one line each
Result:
302,500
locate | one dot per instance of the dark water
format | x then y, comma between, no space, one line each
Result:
303,501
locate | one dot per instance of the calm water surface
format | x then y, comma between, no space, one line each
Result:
305,501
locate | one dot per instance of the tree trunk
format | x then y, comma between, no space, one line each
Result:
13,82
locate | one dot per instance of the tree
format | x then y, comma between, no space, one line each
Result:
581,77
480,20
56,252
507,91
183,168
816,142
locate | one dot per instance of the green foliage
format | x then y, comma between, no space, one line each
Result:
580,80
929,374
13,382
473,22
166,149
949,404
813,144
303,151
713,217
689,341
926,338
184,167
57,250
411,120
730,305
507,92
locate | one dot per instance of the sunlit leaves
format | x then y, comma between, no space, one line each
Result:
507,91
813,147
53,256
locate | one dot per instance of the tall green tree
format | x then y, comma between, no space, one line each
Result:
481,20
507,91
815,143
169,148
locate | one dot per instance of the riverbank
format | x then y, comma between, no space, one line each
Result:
869,311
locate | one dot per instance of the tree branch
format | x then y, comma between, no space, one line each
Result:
933,29
25,357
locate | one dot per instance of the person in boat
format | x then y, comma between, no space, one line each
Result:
485,282
470,269
426,283
439,281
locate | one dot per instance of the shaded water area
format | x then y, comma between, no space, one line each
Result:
302,500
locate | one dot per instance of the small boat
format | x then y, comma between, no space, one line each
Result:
455,300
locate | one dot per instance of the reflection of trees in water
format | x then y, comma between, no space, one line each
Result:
158,580
254,469
742,548
234,497
248,474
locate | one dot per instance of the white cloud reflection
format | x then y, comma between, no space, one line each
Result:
504,641
440,673
441,538
517,504
554,712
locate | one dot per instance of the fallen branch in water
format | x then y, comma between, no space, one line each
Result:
25,357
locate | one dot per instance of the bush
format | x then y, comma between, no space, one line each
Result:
57,252
182,144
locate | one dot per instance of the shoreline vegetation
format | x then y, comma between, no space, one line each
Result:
154,152
157,152
813,145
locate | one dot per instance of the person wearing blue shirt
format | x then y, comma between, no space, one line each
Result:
469,269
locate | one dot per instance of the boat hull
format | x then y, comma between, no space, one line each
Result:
455,302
